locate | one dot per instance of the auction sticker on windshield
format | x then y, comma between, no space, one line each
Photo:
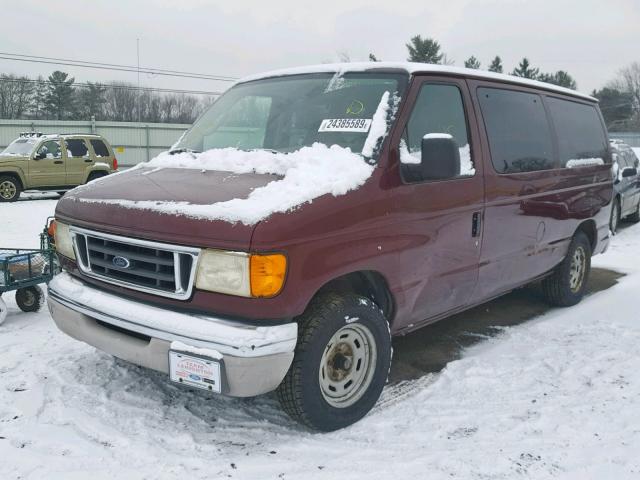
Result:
199,372
345,125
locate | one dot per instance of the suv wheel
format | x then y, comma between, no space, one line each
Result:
568,281
10,188
615,216
341,362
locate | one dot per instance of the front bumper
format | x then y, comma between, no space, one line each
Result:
255,358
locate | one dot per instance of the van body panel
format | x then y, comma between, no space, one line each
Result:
417,236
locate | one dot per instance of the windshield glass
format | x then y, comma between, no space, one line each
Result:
286,113
21,146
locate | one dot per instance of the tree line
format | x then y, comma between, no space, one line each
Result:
59,97
619,99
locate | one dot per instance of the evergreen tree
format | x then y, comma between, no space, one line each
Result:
59,99
39,98
472,62
496,65
561,78
91,100
425,50
616,106
525,70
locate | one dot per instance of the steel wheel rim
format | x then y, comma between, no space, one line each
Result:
347,365
577,269
29,298
7,189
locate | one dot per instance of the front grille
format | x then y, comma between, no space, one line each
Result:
151,267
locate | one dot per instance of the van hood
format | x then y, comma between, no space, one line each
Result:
105,205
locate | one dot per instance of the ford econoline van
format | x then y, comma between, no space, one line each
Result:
312,214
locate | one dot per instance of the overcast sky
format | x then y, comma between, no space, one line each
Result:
590,39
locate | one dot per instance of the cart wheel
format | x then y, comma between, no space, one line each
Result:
30,299
3,311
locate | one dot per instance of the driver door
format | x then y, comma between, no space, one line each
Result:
46,166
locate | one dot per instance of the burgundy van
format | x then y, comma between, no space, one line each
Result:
311,214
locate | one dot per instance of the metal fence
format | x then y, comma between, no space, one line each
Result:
133,142
630,138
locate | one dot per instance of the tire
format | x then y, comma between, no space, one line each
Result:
30,299
341,362
635,216
3,311
93,175
10,188
568,281
614,220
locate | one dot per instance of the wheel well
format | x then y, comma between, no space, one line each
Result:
588,227
15,176
96,174
367,283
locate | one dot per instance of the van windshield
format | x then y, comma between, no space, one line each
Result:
284,114
22,147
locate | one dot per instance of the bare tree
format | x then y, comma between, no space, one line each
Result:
630,82
15,96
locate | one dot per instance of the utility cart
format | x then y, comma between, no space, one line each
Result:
24,269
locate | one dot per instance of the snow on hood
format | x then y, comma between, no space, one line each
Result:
299,177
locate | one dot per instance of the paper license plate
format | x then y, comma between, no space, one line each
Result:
345,125
199,372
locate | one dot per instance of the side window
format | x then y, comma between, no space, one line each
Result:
518,130
49,149
581,136
76,147
99,148
438,117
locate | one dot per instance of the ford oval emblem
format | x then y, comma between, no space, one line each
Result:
121,262
195,377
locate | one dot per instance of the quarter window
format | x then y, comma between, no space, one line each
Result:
439,113
99,148
518,130
76,147
581,136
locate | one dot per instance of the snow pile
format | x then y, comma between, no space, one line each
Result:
302,176
379,126
584,162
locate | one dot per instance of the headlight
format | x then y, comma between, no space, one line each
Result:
241,274
64,243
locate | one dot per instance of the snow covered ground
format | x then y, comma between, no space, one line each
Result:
555,397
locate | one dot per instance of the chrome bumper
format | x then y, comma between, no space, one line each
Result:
255,358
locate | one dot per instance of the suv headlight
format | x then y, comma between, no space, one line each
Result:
243,274
64,242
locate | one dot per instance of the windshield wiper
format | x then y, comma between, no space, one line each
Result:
182,150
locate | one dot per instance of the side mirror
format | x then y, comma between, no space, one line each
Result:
440,157
629,172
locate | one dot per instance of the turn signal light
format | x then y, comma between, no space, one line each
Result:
267,274
51,231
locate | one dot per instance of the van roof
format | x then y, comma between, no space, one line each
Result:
413,68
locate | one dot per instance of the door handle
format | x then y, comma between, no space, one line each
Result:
58,162
476,220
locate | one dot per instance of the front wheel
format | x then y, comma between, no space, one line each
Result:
568,281
30,299
10,188
341,362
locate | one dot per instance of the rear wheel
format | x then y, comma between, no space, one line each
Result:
568,281
615,216
30,299
341,362
10,188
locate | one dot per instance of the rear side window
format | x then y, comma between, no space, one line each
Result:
581,136
76,147
100,148
518,130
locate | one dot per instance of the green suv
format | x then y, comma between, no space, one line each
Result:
53,162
